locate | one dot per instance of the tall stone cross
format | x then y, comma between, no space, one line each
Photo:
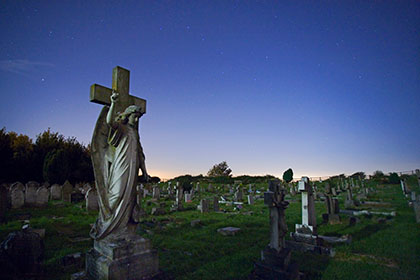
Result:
121,84
274,199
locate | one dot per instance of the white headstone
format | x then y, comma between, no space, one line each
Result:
308,206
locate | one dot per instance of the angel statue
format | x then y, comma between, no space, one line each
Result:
117,156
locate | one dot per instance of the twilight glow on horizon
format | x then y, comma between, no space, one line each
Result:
321,87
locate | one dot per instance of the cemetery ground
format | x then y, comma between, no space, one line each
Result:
382,247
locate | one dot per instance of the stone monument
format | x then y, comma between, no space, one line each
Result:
275,258
331,216
308,208
117,156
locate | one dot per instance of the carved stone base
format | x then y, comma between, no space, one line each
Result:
128,257
276,265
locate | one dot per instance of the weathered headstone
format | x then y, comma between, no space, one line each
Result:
55,192
156,192
238,194
331,216
66,191
91,198
204,206
18,185
22,252
216,204
308,208
42,197
349,202
187,197
250,199
30,193
275,259
17,198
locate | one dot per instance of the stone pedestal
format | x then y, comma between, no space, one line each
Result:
276,265
130,257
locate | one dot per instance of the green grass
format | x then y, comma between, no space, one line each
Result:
379,250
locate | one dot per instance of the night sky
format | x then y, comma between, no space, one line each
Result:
322,87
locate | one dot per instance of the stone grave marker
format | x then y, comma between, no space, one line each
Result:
331,216
17,197
66,191
250,199
91,198
308,208
42,197
204,206
30,193
275,258
55,192
216,207
156,192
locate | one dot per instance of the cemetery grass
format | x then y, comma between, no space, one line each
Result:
381,248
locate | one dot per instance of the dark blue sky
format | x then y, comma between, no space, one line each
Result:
322,87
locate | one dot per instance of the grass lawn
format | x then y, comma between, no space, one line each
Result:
381,248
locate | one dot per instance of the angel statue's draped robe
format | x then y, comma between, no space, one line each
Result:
115,157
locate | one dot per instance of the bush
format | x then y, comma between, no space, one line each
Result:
394,178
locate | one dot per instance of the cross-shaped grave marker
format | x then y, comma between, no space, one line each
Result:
121,84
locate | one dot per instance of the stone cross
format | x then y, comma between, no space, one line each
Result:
274,199
308,208
121,84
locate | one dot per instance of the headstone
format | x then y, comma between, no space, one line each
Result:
42,197
204,206
156,192
91,198
331,216
187,197
275,259
18,185
30,193
292,191
308,225
349,202
22,252
413,196
17,198
238,194
55,192
216,204
66,191
250,199
403,187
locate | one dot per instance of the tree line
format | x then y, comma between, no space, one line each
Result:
50,157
